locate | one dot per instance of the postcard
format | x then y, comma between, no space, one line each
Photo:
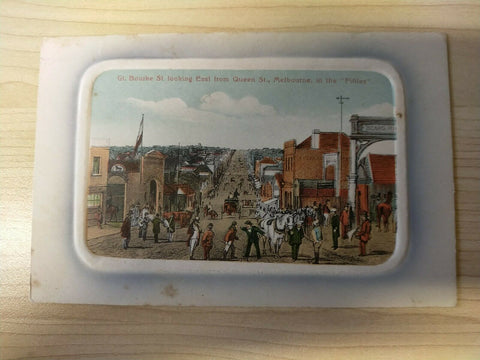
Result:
299,170
223,161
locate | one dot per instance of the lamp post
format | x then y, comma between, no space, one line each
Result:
339,161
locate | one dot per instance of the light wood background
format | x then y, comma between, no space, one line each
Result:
52,331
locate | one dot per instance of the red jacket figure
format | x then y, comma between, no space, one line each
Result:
207,241
364,234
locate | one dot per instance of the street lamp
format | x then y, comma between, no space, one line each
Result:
339,162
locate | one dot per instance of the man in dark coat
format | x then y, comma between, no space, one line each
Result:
156,227
252,238
125,231
335,221
295,237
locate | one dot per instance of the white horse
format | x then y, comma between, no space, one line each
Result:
275,231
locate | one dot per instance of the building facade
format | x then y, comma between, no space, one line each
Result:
376,182
316,169
116,185
98,180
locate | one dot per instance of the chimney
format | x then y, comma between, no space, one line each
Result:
315,139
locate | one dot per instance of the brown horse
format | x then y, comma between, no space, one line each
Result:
213,214
384,210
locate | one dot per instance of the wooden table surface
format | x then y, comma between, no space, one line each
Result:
53,331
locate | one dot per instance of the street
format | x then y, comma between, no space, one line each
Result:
107,241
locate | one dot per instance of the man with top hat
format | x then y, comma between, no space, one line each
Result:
156,226
252,238
295,237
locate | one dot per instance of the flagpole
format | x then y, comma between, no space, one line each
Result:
142,132
139,140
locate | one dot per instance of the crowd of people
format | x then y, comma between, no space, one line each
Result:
310,228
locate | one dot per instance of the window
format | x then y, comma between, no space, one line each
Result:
289,164
94,200
96,165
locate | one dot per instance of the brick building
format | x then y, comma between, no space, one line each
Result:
316,169
376,179
261,164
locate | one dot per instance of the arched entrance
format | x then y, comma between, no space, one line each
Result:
366,130
153,194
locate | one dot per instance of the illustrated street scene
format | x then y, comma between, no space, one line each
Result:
245,166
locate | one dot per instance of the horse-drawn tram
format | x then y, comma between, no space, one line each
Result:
249,206
245,207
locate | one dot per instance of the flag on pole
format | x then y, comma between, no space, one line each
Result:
139,138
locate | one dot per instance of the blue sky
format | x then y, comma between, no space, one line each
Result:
240,115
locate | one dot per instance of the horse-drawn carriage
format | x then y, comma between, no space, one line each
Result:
231,206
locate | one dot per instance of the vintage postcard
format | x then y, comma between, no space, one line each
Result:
244,170
244,162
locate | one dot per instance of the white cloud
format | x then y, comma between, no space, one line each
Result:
216,109
175,109
219,102
214,106
171,106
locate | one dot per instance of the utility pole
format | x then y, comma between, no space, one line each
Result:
178,177
339,160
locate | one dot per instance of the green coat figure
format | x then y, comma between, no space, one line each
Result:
295,237
335,221
156,227
252,238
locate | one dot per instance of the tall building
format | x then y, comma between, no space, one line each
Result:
315,170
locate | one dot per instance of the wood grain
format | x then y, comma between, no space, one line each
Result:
56,331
